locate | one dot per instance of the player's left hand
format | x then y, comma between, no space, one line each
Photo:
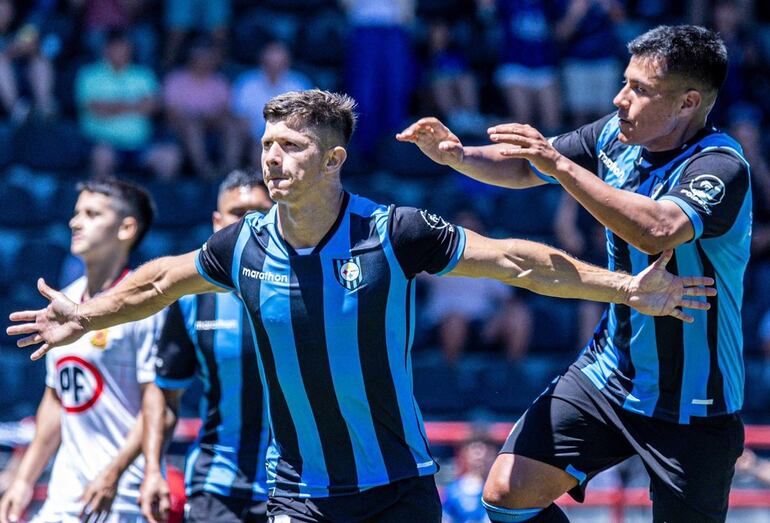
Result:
98,497
527,143
657,292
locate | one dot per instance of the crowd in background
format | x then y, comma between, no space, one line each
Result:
171,94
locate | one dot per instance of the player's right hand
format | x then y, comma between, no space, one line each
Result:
435,140
58,324
15,501
155,498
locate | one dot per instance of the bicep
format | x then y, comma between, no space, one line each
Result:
182,277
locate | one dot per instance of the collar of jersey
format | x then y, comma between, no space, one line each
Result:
328,236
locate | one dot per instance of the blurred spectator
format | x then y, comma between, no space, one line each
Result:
590,67
24,43
116,100
528,75
477,314
254,88
380,66
197,104
102,16
452,82
752,465
211,17
462,497
578,233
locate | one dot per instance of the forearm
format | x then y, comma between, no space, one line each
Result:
154,286
46,441
129,451
639,220
159,422
486,165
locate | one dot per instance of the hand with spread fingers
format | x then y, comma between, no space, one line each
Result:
657,292
435,140
527,143
57,324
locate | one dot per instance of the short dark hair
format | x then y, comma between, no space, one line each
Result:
314,108
128,200
691,51
240,178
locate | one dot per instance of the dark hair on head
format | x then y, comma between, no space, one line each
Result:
116,35
128,199
314,108
691,51
241,178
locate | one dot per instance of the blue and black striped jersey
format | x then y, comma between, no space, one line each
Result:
207,336
333,331
661,367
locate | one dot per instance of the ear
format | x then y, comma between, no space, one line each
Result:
691,102
216,219
129,228
335,158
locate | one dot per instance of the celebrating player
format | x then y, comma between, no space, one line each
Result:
327,278
659,177
89,414
208,335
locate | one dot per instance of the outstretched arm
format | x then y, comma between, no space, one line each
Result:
153,286
546,270
484,164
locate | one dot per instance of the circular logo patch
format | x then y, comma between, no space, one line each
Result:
350,271
79,383
708,189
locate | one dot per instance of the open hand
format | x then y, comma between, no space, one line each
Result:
155,498
435,140
527,143
657,292
57,324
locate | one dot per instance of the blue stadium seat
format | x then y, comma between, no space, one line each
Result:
262,25
322,39
438,389
49,146
6,144
39,258
19,207
182,203
506,388
555,325
404,159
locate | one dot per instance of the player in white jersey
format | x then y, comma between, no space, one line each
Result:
89,414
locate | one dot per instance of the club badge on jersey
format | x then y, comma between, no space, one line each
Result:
348,272
100,338
79,383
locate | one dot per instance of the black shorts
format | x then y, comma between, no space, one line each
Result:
407,501
574,427
205,507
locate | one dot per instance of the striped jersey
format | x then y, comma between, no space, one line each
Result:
208,336
660,366
333,330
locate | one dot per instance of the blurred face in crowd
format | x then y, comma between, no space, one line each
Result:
293,161
6,15
118,53
98,230
275,60
651,105
204,60
235,203
477,457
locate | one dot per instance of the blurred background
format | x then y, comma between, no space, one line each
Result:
170,94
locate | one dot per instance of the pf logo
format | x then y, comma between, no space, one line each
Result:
80,384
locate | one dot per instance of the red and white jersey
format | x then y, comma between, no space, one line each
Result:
98,379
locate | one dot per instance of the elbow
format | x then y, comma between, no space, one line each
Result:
656,240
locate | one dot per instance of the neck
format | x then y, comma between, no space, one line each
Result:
680,136
304,224
101,274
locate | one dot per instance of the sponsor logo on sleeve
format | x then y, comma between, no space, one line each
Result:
435,221
706,190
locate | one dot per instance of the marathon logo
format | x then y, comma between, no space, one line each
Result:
611,165
211,325
264,276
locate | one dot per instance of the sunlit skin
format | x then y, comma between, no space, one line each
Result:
657,111
232,205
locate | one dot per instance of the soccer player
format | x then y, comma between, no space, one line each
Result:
327,278
89,414
208,335
658,176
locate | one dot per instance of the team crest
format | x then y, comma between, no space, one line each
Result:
99,338
348,272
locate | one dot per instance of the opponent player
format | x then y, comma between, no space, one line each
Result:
658,176
328,280
208,335
89,412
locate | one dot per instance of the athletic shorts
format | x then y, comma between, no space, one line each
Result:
205,507
405,501
574,427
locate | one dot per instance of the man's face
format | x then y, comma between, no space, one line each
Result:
235,203
292,162
118,53
95,226
648,105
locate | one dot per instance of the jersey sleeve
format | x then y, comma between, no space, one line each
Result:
146,334
215,258
711,192
423,241
50,370
578,145
175,362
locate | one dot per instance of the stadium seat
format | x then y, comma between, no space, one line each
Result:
19,207
6,144
404,159
438,389
49,146
37,259
182,203
506,388
322,39
555,325
260,26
